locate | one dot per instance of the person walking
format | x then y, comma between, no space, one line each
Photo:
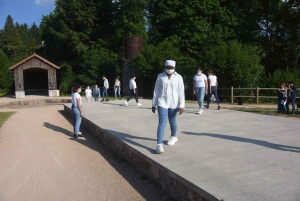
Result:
105,88
282,98
117,88
77,110
133,91
88,94
292,95
96,92
212,85
200,88
169,98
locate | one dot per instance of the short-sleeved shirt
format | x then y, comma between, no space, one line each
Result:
213,80
199,79
132,82
76,96
88,93
117,83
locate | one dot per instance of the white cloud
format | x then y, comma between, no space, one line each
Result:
44,3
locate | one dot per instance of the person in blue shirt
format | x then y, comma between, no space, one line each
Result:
292,95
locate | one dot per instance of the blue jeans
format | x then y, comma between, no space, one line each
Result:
104,92
117,91
163,115
88,99
293,101
96,96
200,93
77,119
132,94
213,91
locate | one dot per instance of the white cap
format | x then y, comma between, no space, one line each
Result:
170,63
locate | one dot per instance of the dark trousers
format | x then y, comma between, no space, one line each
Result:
132,94
293,101
214,92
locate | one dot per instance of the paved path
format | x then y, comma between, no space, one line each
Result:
233,155
39,160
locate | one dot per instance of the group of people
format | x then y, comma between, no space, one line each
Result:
96,91
168,99
286,96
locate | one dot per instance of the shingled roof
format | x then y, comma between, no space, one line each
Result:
32,56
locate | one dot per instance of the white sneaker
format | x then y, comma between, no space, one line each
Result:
172,140
199,112
159,148
139,104
126,103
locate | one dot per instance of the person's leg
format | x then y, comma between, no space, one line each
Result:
77,120
209,97
162,119
116,90
293,105
119,91
287,105
103,94
131,94
88,99
215,92
201,96
172,115
136,96
106,94
279,108
198,95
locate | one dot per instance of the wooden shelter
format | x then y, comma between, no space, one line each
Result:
35,74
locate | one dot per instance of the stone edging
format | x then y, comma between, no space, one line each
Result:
175,186
34,102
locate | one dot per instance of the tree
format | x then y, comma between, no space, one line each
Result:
6,76
130,20
10,35
36,33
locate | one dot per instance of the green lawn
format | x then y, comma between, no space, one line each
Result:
4,116
266,111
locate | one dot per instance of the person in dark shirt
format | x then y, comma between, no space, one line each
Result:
292,94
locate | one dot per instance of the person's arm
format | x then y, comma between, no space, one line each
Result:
155,94
133,88
79,106
216,82
194,86
181,99
206,88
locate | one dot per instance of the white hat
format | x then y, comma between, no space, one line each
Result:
170,63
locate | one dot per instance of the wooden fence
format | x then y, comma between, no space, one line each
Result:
254,91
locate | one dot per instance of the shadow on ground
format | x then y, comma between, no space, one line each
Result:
267,144
113,159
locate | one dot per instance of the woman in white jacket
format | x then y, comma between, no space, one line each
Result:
168,96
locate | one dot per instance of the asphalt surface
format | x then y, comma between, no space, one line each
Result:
236,156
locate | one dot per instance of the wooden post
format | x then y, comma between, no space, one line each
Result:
257,94
231,94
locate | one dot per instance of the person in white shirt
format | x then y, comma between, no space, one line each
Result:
117,88
200,88
213,84
88,94
133,91
105,87
77,110
169,98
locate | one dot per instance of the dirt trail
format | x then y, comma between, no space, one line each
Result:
41,161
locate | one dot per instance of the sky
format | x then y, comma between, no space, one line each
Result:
25,11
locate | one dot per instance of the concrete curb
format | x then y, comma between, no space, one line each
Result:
34,102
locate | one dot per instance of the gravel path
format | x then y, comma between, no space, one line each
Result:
41,161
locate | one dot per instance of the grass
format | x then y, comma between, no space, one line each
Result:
4,116
266,111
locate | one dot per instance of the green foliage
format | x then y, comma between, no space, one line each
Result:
275,79
32,42
238,65
10,35
6,76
